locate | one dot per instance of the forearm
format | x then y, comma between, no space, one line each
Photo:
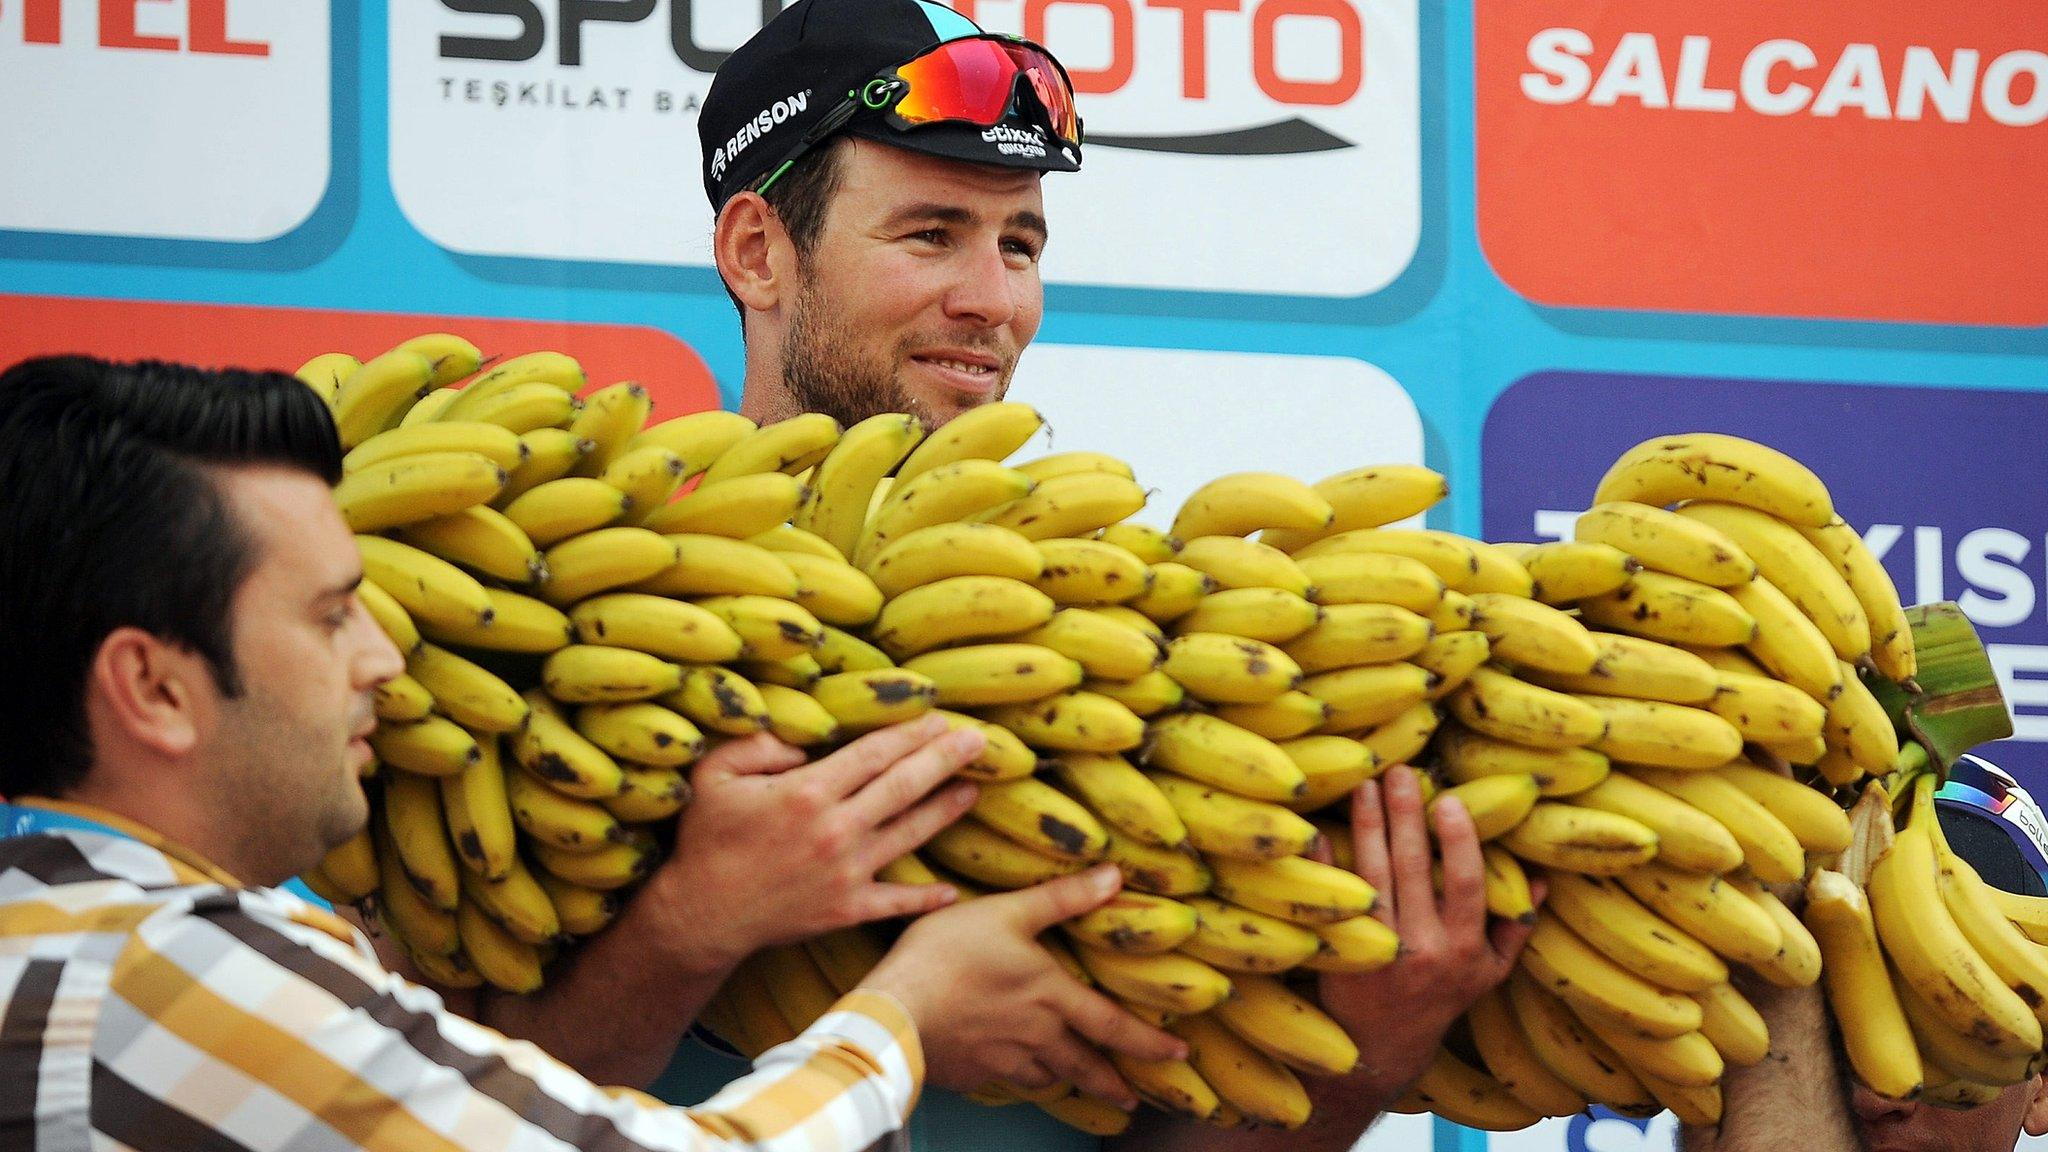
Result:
1794,1097
610,1009
1344,1108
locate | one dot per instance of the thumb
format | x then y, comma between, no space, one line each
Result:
756,755
1044,905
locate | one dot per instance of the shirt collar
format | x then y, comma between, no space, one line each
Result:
191,866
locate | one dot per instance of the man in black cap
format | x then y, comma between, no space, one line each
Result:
875,169
1802,1095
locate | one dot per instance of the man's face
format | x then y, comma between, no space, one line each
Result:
1895,1126
921,291
287,752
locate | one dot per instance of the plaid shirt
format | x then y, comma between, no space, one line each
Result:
149,1001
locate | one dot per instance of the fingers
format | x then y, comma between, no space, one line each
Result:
1464,895
848,769
1409,857
1041,906
1369,848
1098,1018
1087,1070
756,755
891,901
1507,938
913,775
910,830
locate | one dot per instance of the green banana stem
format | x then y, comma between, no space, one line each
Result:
1954,703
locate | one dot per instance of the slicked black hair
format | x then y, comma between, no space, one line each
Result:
110,517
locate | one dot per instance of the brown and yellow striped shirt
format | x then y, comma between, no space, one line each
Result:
149,1001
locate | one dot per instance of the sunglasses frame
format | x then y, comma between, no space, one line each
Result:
882,92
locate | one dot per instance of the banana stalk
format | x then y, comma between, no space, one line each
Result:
1953,703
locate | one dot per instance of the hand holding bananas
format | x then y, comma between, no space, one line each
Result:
1014,1014
774,850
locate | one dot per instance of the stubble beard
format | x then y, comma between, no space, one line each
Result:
826,368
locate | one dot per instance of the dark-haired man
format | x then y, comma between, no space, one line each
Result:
1802,1095
875,169
185,707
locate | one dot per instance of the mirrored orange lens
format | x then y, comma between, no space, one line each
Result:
974,80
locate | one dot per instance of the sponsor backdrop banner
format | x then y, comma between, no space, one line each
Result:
1507,239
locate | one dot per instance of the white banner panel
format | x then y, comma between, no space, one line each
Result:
1284,132
1183,418
177,119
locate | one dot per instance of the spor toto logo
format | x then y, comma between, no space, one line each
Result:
1307,109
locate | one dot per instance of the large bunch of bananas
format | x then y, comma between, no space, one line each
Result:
1658,717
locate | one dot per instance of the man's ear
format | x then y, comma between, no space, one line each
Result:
2036,1122
752,251
146,690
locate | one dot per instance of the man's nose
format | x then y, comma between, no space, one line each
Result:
982,290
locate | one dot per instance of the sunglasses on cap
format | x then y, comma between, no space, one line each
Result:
973,80
1981,789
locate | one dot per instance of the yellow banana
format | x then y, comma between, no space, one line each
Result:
1664,735
325,372
431,590
983,855
1770,848
1072,722
480,538
845,957
1564,1046
1468,756
796,717
517,902
1797,962
1710,909
1333,767
352,866
559,509
1946,1050
1087,1114
1768,711
1579,839
982,674
1217,752
1284,717
1465,1095
1241,503
1171,1085
1891,637
1134,922
499,445
1293,888
547,454
1174,591
1086,572
1860,727
738,508
1123,797
1073,505
522,407
1454,559
642,732
1788,643
985,432
1509,1058
1234,563
1401,739
1065,463
391,617
1660,606
403,699
603,560
1105,647
597,674
956,609
1255,1084
1791,563
768,628
1265,614
1360,944
581,911
1602,912
560,821
1367,498
1347,635
954,492
1641,669
556,370
1004,757
720,566
648,794
1238,939
1733,1025
657,626
1152,545
1499,705
842,651
2018,961
721,700
1230,669
429,747
1583,977
1686,837
1375,578
1220,824
648,476
1507,886
420,925
468,693
377,394
1177,871
1687,1061
517,624
1565,572
834,591
1369,694
783,539
863,701
1146,695
849,474
610,867
1495,803
1875,1032
786,446
1287,1027
1533,634
412,816
1667,542
700,438
1712,466
936,552
1817,821
1041,818
1500,573
551,749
